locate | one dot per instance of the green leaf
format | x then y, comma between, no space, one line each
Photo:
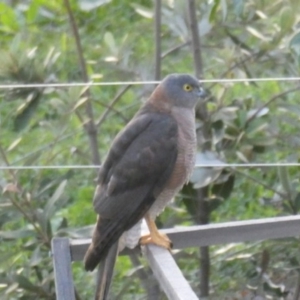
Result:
11,288
238,7
242,118
25,283
278,289
255,32
110,42
295,43
214,203
143,10
32,11
79,213
42,220
285,180
202,177
17,234
208,158
8,17
189,199
225,114
213,12
80,102
32,159
257,112
224,189
26,112
50,206
88,5
14,144
287,18
257,127
297,202
224,9
295,4
36,257
262,142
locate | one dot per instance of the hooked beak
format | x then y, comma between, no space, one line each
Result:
202,93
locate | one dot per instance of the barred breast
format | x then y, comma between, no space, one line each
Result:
185,159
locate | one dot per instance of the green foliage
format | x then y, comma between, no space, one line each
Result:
248,122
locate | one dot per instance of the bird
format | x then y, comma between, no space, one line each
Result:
149,161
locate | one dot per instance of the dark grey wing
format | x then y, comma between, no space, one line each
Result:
138,166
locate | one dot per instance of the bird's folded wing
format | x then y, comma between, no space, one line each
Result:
138,166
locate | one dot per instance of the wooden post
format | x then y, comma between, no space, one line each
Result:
61,256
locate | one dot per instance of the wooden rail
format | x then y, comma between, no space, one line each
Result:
161,261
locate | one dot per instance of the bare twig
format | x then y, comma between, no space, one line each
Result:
235,65
202,193
196,47
198,66
90,125
114,110
11,172
282,195
275,97
157,30
174,49
18,206
35,152
111,104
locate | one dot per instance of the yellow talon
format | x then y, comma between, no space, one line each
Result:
155,237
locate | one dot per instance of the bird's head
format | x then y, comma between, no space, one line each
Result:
181,90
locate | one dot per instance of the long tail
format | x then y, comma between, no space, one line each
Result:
104,251
105,273
105,235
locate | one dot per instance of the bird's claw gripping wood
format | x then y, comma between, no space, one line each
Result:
158,239
155,237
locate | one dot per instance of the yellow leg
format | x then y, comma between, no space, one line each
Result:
155,237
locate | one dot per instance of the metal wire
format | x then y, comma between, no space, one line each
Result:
220,165
84,84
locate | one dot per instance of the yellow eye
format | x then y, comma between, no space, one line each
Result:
187,87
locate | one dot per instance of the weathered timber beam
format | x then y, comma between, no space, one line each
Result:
168,274
221,233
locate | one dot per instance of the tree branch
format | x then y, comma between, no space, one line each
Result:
174,49
273,98
282,195
18,206
202,193
111,104
196,46
259,182
157,32
90,125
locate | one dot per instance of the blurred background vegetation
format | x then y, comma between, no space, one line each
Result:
244,122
